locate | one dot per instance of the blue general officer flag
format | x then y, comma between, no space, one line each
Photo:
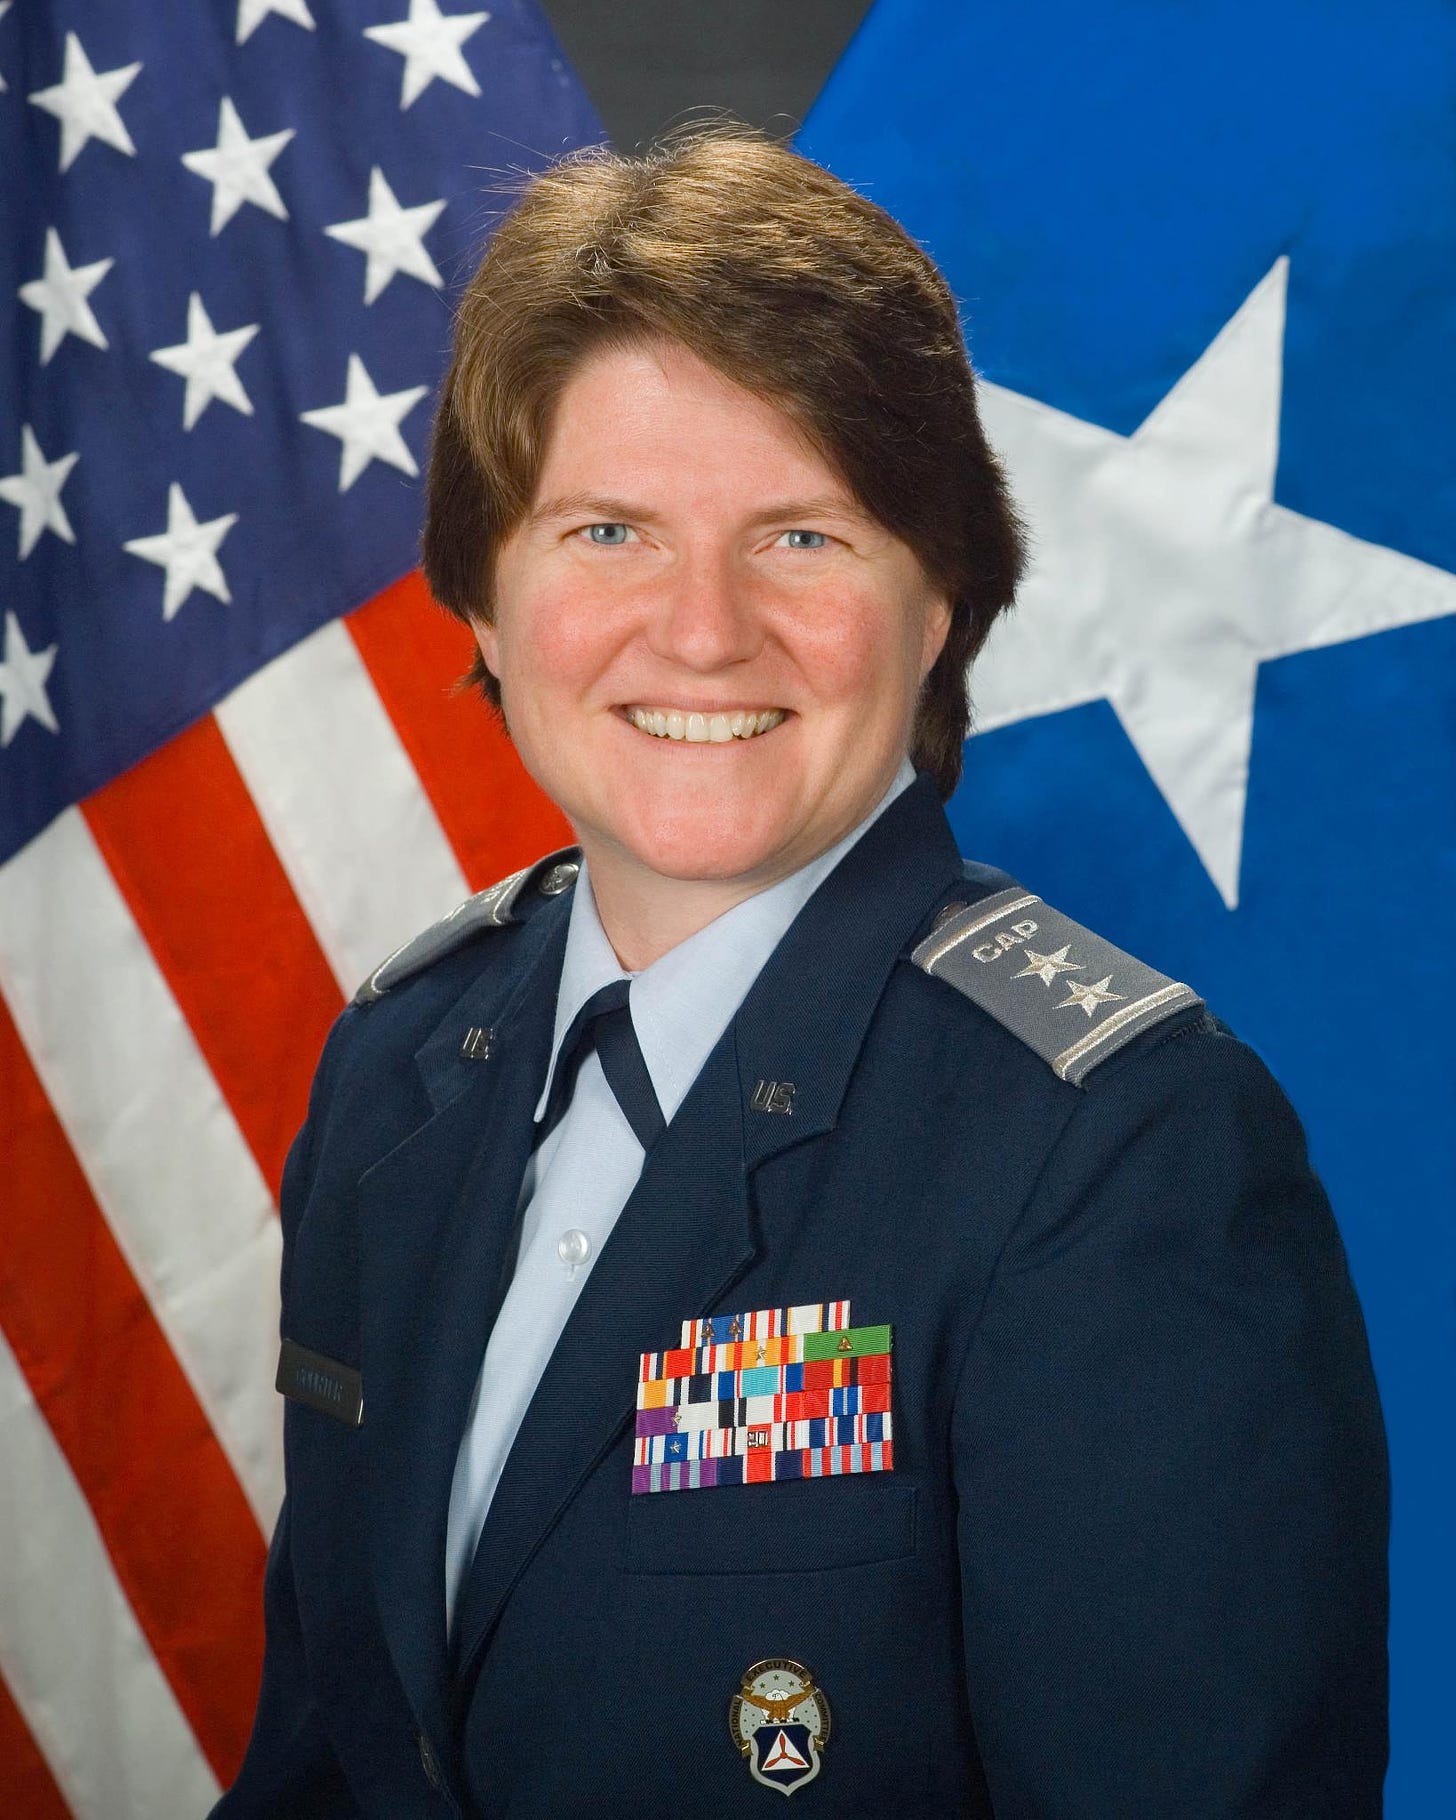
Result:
1204,253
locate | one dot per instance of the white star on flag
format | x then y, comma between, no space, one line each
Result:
84,101
429,41
187,550
237,168
23,676
36,489
367,424
1165,574
205,360
59,295
4,9
391,236
252,13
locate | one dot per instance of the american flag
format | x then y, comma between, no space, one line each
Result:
232,774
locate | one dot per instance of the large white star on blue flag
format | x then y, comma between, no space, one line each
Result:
1164,574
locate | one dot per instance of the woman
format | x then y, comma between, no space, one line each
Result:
769,1306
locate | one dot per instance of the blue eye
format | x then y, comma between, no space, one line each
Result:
823,539
607,542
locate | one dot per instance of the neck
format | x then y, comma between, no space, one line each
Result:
644,914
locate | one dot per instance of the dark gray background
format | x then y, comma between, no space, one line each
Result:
648,64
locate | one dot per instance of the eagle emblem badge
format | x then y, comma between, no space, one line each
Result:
780,1722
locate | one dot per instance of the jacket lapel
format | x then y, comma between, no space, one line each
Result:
804,1023
436,1217
684,1237
688,1231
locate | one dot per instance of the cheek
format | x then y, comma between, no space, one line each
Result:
558,638
865,655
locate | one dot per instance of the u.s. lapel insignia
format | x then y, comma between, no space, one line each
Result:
780,1721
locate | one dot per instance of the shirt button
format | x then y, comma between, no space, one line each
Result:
573,1248
429,1763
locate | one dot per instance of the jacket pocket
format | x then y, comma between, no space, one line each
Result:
796,1526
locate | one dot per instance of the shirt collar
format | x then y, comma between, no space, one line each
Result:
686,999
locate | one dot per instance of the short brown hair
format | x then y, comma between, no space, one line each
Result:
790,284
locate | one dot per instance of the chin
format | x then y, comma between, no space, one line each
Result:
709,849
702,862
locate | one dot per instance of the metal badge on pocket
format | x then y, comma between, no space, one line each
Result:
780,1722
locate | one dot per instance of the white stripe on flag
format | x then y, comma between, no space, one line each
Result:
153,1135
343,805
83,1678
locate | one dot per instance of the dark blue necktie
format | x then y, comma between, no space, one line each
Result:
605,1020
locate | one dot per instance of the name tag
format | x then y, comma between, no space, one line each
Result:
323,1384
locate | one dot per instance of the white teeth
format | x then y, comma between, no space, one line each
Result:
704,729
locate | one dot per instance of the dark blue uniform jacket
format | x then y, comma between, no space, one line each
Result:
1129,1562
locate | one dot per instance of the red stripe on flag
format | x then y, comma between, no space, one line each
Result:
492,813
27,1787
192,858
183,1541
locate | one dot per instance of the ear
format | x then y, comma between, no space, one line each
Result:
937,629
488,642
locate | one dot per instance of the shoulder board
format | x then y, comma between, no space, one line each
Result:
1065,992
492,908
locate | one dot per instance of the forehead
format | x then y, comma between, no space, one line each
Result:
655,410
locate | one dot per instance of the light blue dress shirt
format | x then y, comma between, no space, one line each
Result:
581,1175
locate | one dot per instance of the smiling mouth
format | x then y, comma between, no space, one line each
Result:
704,729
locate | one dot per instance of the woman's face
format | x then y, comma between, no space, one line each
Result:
690,566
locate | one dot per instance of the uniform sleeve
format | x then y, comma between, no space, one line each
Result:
1171,1470
289,1769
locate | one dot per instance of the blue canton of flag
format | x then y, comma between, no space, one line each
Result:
1205,257
226,267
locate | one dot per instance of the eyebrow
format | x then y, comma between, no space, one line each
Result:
621,511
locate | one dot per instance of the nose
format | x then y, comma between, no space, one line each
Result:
705,618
